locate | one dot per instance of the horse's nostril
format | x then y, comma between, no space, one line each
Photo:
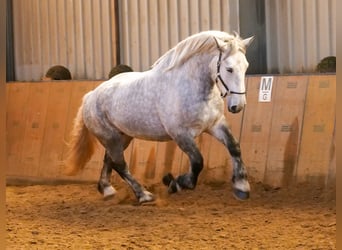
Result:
233,108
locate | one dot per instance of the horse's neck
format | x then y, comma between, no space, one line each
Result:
195,73
199,68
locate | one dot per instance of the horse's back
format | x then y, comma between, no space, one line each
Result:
126,103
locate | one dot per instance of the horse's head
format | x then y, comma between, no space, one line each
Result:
229,71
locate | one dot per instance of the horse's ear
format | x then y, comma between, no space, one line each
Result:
248,41
221,45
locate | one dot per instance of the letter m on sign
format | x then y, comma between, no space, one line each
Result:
265,90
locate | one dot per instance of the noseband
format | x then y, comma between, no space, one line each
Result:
218,76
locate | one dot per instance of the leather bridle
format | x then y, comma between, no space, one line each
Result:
218,76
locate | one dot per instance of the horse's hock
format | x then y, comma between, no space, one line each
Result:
290,139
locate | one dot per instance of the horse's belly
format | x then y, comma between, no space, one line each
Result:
142,125
144,131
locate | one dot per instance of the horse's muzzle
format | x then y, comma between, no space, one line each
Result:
235,109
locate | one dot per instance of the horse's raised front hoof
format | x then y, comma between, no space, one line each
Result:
240,195
108,192
167,179
146,197
171,183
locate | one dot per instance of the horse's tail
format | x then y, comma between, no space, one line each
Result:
81,146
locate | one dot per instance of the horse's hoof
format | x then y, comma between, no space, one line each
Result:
147,197
173,187
108,192
167,179
240,195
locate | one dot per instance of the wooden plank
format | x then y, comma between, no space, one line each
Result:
17,99
168,160
34,128
52,142
287,119
204,145
255,130
318,128
143,160
331,176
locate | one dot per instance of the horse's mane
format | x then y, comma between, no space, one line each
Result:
199,43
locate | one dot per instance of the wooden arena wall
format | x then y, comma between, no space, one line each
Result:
290,139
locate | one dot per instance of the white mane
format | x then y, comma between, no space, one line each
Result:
203,42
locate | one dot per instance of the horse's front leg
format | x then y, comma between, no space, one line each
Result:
188,180
222,132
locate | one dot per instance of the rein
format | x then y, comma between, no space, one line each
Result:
218,76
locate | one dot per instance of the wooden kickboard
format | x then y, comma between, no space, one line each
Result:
255,132
330,179
204,145
318,129
168,160
269,135
52,142
34,128
285,131
143,160
17,99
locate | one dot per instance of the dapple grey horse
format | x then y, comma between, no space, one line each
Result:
179,98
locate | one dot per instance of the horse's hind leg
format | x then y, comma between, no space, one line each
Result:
241,187
140,192
104,186
114,159
188,180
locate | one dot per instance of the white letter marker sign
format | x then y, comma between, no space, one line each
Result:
265,90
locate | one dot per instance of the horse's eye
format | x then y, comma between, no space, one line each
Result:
230,70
